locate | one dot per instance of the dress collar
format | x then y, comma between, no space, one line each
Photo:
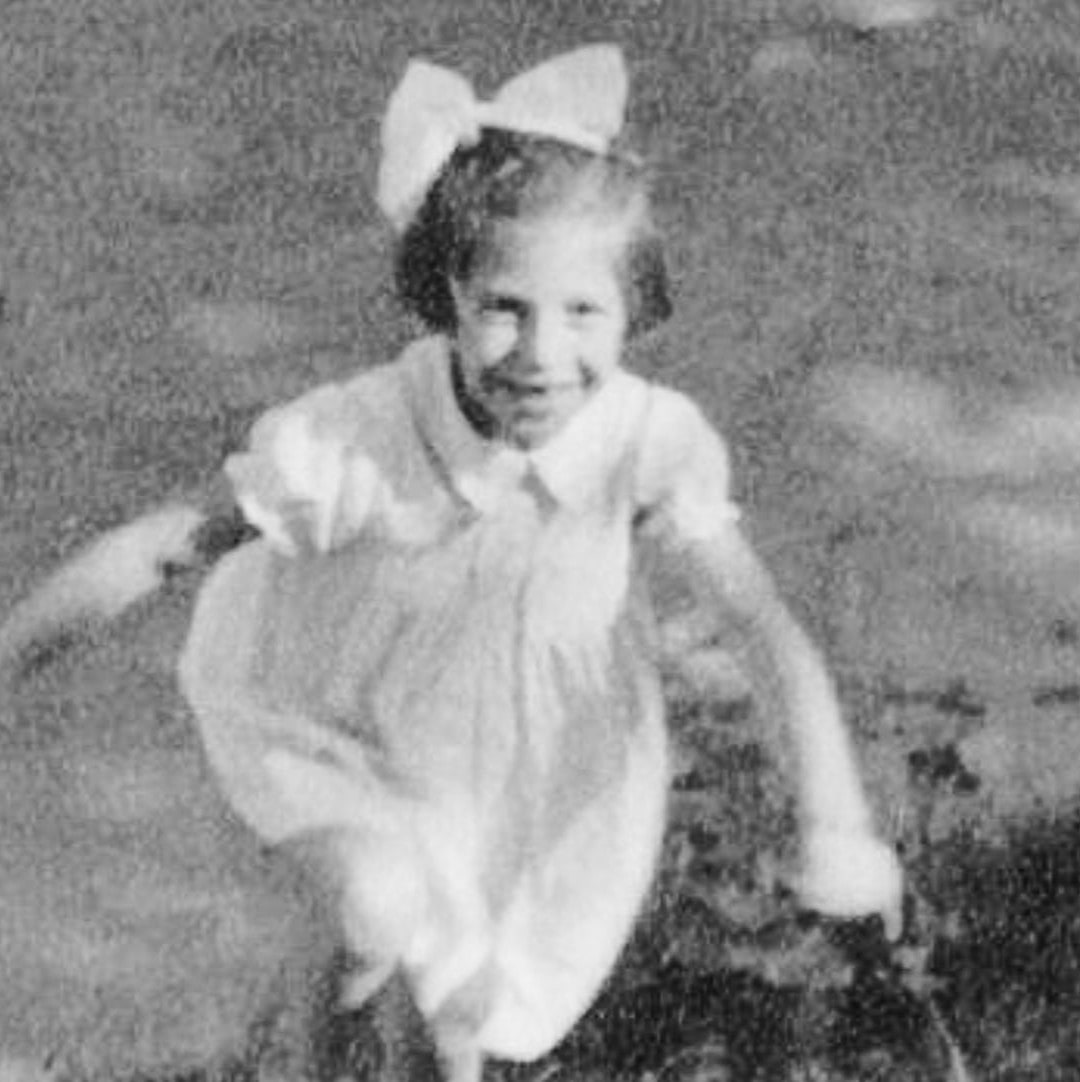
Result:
569,467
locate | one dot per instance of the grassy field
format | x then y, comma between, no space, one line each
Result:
187,234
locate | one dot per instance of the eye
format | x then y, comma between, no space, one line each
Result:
583,309
498,308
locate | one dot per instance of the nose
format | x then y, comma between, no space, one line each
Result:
541,344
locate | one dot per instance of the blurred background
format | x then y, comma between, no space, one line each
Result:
874,217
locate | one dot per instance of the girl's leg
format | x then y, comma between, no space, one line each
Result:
373,1029
385,1040
370,890
389,1040
344,1039
410,1052
378,896
456,1025
464,1065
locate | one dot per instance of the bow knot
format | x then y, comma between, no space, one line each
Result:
578,98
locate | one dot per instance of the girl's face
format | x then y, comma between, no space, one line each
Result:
541,324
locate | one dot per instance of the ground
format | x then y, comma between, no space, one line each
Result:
188,234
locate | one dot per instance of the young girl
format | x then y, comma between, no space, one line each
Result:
436,668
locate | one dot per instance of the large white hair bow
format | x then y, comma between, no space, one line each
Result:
578,98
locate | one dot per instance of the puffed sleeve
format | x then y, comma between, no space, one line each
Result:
684,472
303,482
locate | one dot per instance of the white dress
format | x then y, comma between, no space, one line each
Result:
445,648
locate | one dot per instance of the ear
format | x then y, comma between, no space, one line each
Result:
460,302
457,292
650,288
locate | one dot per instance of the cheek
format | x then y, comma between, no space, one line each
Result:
488,344
603,352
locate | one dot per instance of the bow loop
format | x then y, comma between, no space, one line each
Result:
432,112
578,98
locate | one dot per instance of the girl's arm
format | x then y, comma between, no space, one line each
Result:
117,570
683,500
295,485
847,870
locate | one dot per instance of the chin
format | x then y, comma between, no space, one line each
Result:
530,431
529,434
527,439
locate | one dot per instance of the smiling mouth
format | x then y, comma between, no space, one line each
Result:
542,390
529,388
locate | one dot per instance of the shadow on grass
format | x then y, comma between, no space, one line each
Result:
687,1027
1014,971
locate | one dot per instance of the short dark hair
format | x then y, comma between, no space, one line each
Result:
506,176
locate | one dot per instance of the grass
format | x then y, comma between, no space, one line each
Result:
904,202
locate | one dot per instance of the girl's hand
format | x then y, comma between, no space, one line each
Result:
120,568
852,874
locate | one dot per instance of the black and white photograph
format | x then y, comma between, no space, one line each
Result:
540,540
